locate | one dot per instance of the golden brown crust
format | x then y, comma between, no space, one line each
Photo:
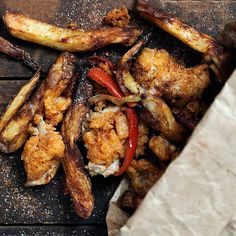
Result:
69,40
118,17
41,154
106,137
163,148
158,72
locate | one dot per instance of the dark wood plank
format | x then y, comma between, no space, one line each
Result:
45,204
53,230
208,16
9,89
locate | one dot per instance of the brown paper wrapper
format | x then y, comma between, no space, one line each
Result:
196,194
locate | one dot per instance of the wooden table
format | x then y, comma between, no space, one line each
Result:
46,210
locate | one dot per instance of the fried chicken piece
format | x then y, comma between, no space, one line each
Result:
143,174
159,73
163,148
42,154
106,139
104,146
142,138
118,17
107,135
55,104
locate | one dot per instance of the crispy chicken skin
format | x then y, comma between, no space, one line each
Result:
162,148
129,201
105,139
68,40
107,135
159,73
143,174
118,17
55,104
42,154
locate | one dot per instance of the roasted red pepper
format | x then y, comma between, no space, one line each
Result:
132,142
102,78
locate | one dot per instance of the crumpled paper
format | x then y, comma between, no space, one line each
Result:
197,193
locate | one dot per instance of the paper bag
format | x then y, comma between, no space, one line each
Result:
197,193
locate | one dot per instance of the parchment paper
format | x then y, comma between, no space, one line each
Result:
197,193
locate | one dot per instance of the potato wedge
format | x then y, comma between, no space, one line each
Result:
77,180
174,26
19,100
160,117
69,40
18,54
16,131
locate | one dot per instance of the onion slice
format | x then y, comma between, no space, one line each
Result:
116,101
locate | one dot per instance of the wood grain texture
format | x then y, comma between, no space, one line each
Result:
53,230
208,16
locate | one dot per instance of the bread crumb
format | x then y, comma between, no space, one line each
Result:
118,17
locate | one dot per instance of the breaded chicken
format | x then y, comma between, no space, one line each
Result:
159,73
108,131
163,148
118,17
143,174
55,104
106,139
42,154
142,138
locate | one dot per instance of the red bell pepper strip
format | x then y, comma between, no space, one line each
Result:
105,80
132,142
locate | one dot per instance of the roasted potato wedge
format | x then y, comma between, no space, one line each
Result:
69,40
163,120
18,54
174,26
14,135
19,100
77,180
